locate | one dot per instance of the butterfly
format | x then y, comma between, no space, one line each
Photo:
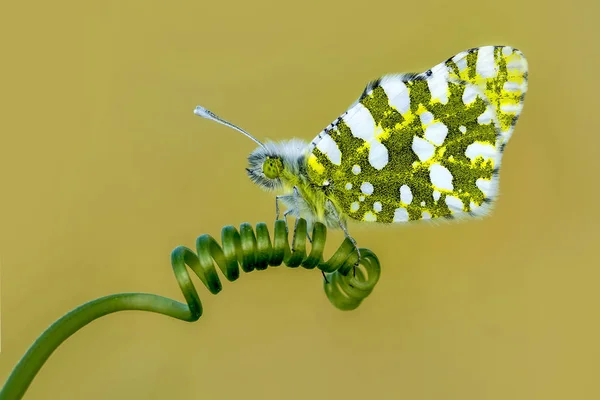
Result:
412,147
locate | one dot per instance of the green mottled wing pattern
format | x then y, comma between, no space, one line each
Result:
424,146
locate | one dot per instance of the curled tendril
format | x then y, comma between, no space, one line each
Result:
248,248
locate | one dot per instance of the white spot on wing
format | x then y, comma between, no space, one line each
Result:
469,94
330,148
440,177
370,217
348,186
436,133
462,128
438,85
461,61
426,117
507,51
366,188
510,108
378,155
517,64
356,169
436,195
486,117
477,149
486,67
454,203
422,148
425,215
485,185
396,92
354,207
377,206
400,215
406,195
361,198
510,86
362,125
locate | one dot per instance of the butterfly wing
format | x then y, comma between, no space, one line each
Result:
424,146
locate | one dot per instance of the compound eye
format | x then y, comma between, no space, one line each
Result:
272,167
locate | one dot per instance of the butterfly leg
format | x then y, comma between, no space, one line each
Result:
277,199
285,216
278,212
295,199
346,233
296,196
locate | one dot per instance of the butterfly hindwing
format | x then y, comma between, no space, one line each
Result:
424,146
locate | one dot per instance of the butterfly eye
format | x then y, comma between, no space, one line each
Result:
272,167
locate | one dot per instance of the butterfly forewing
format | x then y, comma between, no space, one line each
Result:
424,146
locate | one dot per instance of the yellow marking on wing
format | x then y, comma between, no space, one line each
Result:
315,164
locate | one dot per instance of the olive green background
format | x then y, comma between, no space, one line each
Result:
105,169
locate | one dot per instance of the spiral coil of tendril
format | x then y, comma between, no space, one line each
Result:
253,250
346,286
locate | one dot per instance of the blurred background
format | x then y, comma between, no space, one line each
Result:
105,169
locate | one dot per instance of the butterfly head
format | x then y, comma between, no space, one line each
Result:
265,168
274,164
272,167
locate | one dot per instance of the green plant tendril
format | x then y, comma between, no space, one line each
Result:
252,251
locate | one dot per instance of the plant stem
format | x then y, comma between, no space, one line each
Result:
24,372
345,292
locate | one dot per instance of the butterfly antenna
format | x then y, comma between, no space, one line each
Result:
203,112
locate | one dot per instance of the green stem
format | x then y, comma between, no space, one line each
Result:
62,329
252,251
